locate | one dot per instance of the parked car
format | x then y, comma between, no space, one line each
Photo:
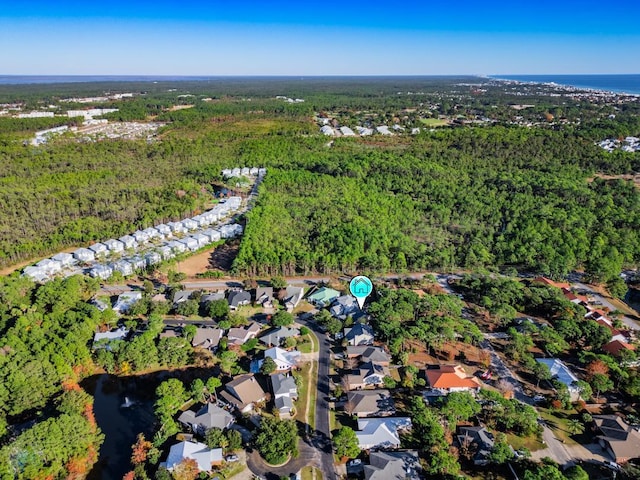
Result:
231,458
539,398
354,462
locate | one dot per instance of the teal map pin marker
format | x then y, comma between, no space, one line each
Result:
361,287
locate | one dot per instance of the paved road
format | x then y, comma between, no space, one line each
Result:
597,296
504,373
321,438
307,455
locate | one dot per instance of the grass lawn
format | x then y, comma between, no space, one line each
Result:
558,421
531,442
311,473
308,372
231,470
310,344
434,122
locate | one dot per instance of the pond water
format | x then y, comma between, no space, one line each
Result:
122,411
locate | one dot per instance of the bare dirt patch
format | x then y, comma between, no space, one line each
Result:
635,178
218,259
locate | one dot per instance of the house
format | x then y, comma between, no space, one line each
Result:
292,297
49,266
166,252
275,336
208,417
105,337
451,378
561,372
124,267
152,233
264,296
617,437
84,255
393,466
205,457
230,230
101,271
477,439
176,227
181,296
140,237
129,242
207,337
202,240
138,262
368,374
323,297
177,247
370,403
284,359
98,249
164,230
35,273
381,432
239,335
359,334
243,393
212,235
207,298
614,347
152,258
285,392
190,243
114,246
547,281
238,298
125,301
344,306
65,259
366,353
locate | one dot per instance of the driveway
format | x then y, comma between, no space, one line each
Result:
598,297
503,372
307,455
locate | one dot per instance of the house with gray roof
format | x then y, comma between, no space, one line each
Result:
50,266
285,392
238,298
359,334
101,271
208,417
264,296
65,259
381,432
240,335
181,296
37,274
98,248
207,337
124,267
114,246
402,465
177,247
370,403
293,296
619,439
128,241
367,375
344,306
102,339
367,353
212,297
275,336
478,439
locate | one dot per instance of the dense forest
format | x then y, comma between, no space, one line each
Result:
45,334
465,197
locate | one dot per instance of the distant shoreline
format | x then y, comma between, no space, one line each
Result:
620,84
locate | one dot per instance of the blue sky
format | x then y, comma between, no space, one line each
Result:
318,38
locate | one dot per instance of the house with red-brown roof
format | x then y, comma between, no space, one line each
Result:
451,378
614,347
565,287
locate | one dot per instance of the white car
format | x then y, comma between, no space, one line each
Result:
611,465
231,458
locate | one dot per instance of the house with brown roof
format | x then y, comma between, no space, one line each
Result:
243,393
451,378
240,335
207,338
617,437
370,403
614,347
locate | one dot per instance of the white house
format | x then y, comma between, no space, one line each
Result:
177,246
128,241
212,235
84,255
115,246
284,359
202,240
125,301
164,230
35,273
381,432
101,271
138,262
176,227
190,243
152,233
140,236
124,267
152,258
49,266
65,259
189,224
166,251
205,457
98,248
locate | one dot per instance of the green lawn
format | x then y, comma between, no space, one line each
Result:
303,392
434,122
558,421
311,473
531,442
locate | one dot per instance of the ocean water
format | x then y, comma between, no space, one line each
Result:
629,83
